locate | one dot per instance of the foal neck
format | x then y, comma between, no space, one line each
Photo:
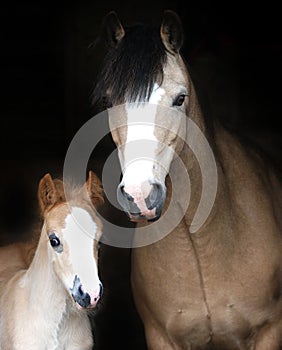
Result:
45,290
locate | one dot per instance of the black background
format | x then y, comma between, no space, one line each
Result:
48,67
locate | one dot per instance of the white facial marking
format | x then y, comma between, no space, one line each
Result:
157,94
79,234
137,173
140,127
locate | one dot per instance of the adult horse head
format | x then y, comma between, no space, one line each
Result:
145,76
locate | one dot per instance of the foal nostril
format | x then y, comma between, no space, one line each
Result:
101,290
80,291
82,298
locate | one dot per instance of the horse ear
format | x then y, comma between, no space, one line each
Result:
47,193
94,189
113,28
172,32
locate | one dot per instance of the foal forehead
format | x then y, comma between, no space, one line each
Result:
72,221
55,219
80,222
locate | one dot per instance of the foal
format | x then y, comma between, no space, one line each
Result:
42,306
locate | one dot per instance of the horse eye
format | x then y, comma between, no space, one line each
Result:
54,240
179,100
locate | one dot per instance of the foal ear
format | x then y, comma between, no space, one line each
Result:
113,28
47,193
172,32
94,189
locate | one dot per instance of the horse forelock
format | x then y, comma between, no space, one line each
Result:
131,69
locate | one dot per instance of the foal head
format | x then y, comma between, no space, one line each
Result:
146,82
72,232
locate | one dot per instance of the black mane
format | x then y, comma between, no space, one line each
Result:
131,68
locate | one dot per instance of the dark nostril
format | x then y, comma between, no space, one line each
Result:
125,194
101,290
80,291
83,299
86,299
155,196
126,201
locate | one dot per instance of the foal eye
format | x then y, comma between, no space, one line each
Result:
54,240
179,100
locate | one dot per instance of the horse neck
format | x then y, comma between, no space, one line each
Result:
43,286
191,161
194,110
233,161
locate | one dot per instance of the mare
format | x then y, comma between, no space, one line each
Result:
214,280
46,292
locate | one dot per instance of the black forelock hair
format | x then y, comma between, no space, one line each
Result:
131,68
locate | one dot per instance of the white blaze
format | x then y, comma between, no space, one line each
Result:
79,234
138,163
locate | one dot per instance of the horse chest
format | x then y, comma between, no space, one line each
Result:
206,301
227,327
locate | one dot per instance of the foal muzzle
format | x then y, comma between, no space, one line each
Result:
83,298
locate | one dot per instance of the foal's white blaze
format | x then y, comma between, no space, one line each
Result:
79,234
137,170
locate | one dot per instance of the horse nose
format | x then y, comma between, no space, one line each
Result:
82,298
86,300
95,297
142,204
